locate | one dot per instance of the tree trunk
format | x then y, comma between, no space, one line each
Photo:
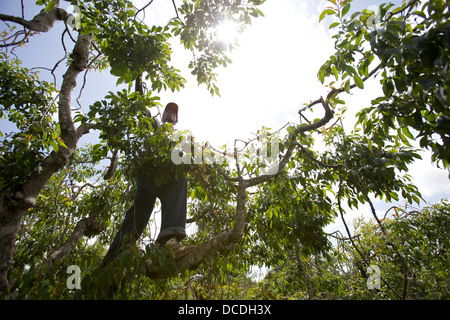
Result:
16,199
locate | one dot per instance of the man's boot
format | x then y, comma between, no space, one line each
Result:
179,251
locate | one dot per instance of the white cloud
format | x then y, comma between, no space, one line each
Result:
431,181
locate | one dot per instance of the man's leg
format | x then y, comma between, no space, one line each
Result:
173,224
135,221
174,209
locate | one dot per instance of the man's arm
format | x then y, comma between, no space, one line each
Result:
155,123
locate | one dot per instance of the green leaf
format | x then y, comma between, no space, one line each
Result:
388,88
407,133
325,13
50,5
260,12
61,143
54,145
345,10
333,25
358,81
420,14
322,75
402,137
335,72
347,86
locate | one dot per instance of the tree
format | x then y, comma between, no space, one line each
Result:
419,236
273,194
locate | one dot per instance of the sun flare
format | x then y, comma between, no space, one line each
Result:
227,32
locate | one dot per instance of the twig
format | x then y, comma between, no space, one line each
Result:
341,237
17,43
308,153
410,6
143,9
340,90
81,189
85,78
341,212
176,10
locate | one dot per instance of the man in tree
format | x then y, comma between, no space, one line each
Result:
173,196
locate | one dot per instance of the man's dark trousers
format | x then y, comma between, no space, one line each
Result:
173,197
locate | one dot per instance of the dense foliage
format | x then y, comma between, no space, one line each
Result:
418,236
27,102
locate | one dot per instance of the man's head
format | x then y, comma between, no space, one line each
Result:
170,113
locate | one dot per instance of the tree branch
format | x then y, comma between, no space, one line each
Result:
302,268
401,260
69,134
83,226
16,42
225,238
340,90
113,165
42,22
143,9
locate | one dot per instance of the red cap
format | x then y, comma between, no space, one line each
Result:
172,106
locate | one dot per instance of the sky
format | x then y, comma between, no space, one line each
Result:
274,72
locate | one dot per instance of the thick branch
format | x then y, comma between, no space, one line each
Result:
83,226
84,128
42,22
113,165
307,127
69,134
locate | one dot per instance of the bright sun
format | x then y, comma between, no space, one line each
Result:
227,32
